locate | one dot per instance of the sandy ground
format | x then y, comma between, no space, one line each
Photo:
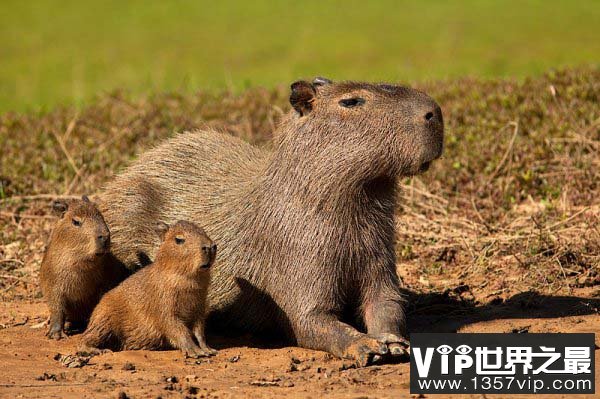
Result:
35,367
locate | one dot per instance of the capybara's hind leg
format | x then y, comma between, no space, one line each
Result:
325,332
99,336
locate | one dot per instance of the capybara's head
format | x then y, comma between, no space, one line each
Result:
385,130
81,228
185,247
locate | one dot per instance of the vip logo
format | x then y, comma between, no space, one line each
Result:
461,359
546,359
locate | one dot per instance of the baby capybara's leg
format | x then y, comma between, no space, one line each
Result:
201,338
180,337
57,322
323,331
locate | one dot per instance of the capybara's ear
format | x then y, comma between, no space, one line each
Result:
85,198
59,207
161,229
321,81
302,97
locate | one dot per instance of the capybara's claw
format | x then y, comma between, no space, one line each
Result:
93,351
397,346
211,351
195,353
56,334
365,351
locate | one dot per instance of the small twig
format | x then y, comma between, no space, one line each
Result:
519,260
489,229
70,127
21,323
39,197
424,192
20,216
568,219
74,180
9,276
65,151
469,248
41,324
12,260
506,153
11,286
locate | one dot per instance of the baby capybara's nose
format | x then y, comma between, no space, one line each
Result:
103,241
210,250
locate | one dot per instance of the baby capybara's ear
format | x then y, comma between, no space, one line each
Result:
161,229
85,198
302,96
59,208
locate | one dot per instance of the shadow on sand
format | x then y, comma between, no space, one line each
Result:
445,312
426,312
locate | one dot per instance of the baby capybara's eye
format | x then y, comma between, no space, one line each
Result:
352,102
179,240
76,223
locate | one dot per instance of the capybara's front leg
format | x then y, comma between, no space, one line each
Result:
180,337
57,323
384,318
201,338
325,332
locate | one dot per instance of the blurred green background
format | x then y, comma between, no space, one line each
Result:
65,52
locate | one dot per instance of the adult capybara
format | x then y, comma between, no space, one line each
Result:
306,230
163,305
77,268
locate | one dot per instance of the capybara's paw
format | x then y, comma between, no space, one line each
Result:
365,350
398,347
56,333
92,351
211,351
196,353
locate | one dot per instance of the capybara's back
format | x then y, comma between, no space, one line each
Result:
77,268
306,230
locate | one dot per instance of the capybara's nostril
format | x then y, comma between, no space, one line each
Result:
429,116
206,249
102,239
214,247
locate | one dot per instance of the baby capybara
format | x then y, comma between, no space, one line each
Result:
164,304
77,268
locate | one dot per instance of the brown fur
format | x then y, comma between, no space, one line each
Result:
163,305
77,268
306,230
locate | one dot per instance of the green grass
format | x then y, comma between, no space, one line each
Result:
66,52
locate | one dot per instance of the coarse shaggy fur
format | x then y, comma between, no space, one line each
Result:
77,268
306,231
163,305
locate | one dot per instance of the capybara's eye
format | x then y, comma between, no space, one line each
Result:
179,240
76,222
352,102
